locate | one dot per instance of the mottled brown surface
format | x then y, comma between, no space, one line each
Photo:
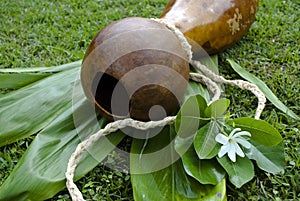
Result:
213,24
154,75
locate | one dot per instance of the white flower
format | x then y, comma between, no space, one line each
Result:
230,144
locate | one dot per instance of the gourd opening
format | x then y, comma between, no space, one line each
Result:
110,95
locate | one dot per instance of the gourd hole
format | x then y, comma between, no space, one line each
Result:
103,87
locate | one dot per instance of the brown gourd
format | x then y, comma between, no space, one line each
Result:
213,24
131,67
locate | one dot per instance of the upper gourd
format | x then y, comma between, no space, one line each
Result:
213,24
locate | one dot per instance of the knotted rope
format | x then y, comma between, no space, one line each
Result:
209,78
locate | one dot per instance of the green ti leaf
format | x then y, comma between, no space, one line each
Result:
153,153
261,131
18,80
52,69
264,88
41,171
170,183
14,78
30,109
239,172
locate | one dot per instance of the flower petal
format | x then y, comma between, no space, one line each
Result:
221,138
224,149
238,150
231,153
242,133
243,142
234,131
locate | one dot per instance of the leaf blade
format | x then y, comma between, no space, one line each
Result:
170,183
217,108
189,117
28,110
269,159
261,131
15,81
45,161
205,171
204,142
239,172
52,69
175,187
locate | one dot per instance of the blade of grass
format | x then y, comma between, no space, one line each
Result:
42,69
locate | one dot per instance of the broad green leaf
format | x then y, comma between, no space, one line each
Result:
204,142
170,183
63,67
24,70
261,131
264,88
205,171
269,159
40,173
30,109
217,108
14,78
15,81
189,117
239,172
155,153
183,144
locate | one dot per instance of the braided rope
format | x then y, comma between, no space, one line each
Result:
240,83
208,78
212,86
109,128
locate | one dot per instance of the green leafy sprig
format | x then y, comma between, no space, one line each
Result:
201,159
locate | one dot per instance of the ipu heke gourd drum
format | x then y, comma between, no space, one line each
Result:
147,63
135,64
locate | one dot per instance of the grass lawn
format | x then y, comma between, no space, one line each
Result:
44,33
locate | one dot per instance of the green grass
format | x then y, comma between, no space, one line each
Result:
42,33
